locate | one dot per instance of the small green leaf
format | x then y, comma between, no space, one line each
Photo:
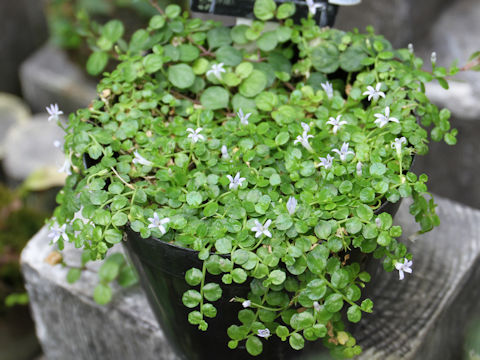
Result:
193,276
214,98
191,298
334,302
296,341
73,275
96,62
181,76
354,314
102,294
212,292
108,271
194,198
264,9
254,346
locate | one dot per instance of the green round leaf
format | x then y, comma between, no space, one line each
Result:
264,9
296,341
334,302
193,277
191,298
181,76
214,98
96,62
212,292
102,294
253,84
254,346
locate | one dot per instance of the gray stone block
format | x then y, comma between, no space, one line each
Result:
422,317
401,21
48,76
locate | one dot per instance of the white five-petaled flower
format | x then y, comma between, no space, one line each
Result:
305,127
195,134
326,162
158,223
303,139
359,168
262,229
216,70
139,159
337,124
405,267
374,93
397,144
66,167
410,48
224,151
264,333
57,232
54,112
246,303
236,181
57,144
433,58
383,120
328,88
312,7
291,205
343,152
243,117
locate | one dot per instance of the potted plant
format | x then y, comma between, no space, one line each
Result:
248,171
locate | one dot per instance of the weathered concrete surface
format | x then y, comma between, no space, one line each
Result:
48,76
421,317
401,21
29,147
22,30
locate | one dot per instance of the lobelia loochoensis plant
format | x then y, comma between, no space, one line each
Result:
273,147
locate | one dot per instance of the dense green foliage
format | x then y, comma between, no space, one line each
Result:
202,136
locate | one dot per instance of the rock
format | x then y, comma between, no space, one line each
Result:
48,76
29,147
454,36
13,112
22,30
423,317
401,21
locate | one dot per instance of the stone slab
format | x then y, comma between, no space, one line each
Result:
48,77
423,317
13,112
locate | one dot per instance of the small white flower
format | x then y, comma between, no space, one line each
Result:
195,134
264,333
54,112
246,303
359,168
305,127
66,167
243,117
433,58
224,151
374,93
312,7
326,162
303,139
57,144
262,229
328,88
337,124
158,223
216,70
397,144
236,181
57,232
383,120
139,159
410,48
316,306
343,152
406,267
291,205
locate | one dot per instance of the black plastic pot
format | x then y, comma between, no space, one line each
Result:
162,267
325,15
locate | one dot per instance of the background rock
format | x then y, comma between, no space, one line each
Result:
29,147
13,112
50,77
